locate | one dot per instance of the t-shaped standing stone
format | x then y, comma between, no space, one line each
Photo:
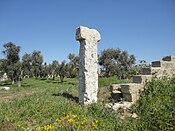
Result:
88,64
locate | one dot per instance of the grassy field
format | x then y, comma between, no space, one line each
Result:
52,105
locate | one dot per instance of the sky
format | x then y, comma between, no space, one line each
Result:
145,28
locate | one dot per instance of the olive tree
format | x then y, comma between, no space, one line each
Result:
27,65
62,70
73,65
116,62
11,64
37,60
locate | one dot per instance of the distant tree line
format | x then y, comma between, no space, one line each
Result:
112,62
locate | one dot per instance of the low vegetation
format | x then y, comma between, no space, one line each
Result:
52,105
156,106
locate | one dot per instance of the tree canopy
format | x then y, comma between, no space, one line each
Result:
11,64
116,62
112,62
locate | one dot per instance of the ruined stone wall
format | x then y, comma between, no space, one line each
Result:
158,69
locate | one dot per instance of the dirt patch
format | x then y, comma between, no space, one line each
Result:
103,94
18,95
7,126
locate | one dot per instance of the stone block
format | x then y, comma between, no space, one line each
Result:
146,71
115,87
161,71
152,71
116,95
142,79
156,64
131,92
162,64
156,70
84,33
131,88
131,97
169,58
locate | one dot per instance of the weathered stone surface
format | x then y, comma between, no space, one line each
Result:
142,79
146,71
131,88
163,64
156,64
160,72
114,87
156,71
163,68
88,64
152,71
131,92
169,58
133,97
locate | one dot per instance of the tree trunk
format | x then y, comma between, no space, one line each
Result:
19,83
61,78
13,82
53,77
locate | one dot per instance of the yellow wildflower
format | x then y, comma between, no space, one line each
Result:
94,125
38,128
74,116
57,120
96,121
45,128
70,120
67,116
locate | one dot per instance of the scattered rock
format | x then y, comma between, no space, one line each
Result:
5,88
109,105
134,115
123,109
119,105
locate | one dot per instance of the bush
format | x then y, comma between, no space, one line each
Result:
156,107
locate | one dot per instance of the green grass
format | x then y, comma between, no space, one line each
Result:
52,100
103,81
52,105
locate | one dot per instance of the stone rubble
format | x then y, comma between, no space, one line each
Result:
134,115
116,106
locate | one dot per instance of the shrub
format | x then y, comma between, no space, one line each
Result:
156,106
